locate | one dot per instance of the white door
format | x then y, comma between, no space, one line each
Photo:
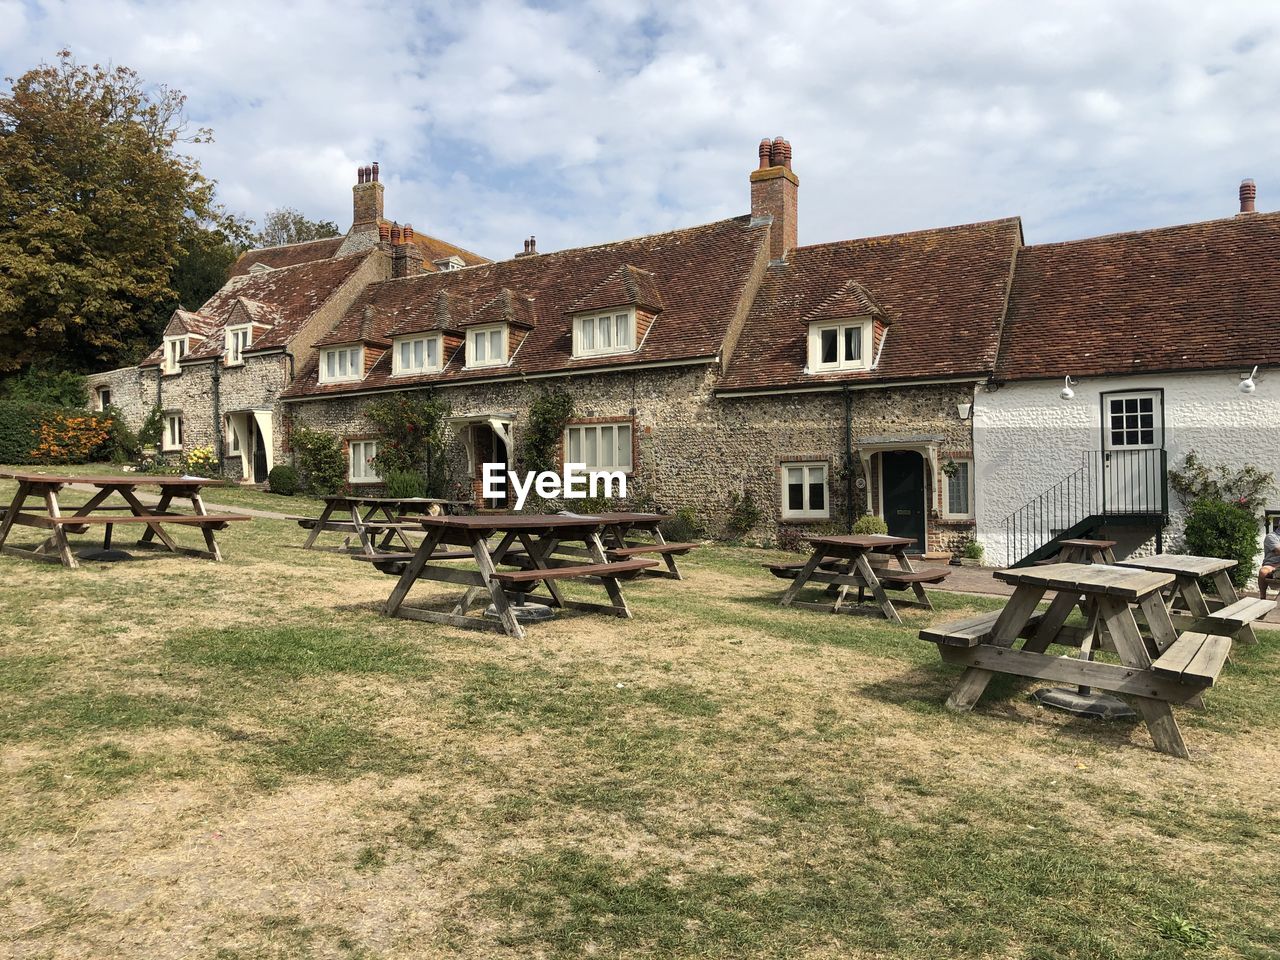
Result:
1132,452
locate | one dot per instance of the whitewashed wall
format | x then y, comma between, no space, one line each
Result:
1026,438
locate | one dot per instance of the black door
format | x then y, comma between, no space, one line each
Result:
259,453
490,449
902,472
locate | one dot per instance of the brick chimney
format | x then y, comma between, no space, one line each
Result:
774,190
406,256
1248,196
530,248
366,197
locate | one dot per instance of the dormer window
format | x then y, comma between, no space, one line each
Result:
839,345
339,364
238,340
487,346
449,263
604,333
416,355
175,348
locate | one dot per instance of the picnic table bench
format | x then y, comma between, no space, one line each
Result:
842,562
1161,668
95,512
532,543
1221,611
381,516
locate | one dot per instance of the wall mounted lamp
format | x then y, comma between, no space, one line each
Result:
1248,384
1067,384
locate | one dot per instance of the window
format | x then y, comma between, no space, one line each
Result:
804,491
104,398
957,492
606,333
449,263
175,348
1133,420
238,339
360,468
233,436
601,446
341,363
416,355
487,346
838,346
172,431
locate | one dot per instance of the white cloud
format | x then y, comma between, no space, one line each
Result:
587,122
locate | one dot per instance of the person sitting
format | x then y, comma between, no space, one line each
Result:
1270,560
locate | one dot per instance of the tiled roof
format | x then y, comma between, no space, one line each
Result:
507,307
701,271
1197,296
290,295
627,286
851,300
288,255
433,248
944,289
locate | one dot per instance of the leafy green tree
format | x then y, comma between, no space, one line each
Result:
43,384
287,225
96,207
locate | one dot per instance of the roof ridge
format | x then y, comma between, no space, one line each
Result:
953,228
1168,228
643,236
296,243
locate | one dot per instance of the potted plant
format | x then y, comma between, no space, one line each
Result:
867,525
971,554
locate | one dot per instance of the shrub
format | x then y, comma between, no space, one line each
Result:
201,461
548,415
792,539
283,480
1215,528
42,386
1246,488
868,524
69,436
152,429
684,526
972,550
404,483
742,515
123,442
322,468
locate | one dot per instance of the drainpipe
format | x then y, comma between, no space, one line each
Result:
848,460
217,413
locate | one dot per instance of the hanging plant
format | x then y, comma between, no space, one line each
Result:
950,468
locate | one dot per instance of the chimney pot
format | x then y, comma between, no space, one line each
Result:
374,171
766,149
359,174
395,236
384,232
775,152
533,244
407,233
775,196
1248,196
526,245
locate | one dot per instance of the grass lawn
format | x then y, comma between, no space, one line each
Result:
246,760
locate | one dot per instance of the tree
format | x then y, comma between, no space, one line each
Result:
287,225
96,208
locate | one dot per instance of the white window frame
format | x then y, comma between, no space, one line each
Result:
367,450
398,369
1157,421
233,355
175,348
171,437
806,512
473,337
579,437
816,330
590,330
947,482
355,364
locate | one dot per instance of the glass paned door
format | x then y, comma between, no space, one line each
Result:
1133,457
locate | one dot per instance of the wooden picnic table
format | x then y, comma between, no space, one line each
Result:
1220,611
842,562
529,542
381,516
1156,670
97,512
1081,550
618,536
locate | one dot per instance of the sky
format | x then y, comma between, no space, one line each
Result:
583,123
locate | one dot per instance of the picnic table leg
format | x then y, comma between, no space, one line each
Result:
140,510
917,588
1059,610
802,577
315,531
59,536
538,553
15,507
411,570
480,550
362,531
670,558
596,549
877,590
1132,650
1013,618
197,504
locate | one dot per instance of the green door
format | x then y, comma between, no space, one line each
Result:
902,475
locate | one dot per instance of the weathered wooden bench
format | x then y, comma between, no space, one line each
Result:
901,579
213,521
1194,658
679,549
349,526
1234,617
394,563
973,631
621,570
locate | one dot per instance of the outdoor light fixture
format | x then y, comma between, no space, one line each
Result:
1067,392
1247,385
963,409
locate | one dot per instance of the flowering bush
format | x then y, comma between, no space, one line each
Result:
66,437
201,459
